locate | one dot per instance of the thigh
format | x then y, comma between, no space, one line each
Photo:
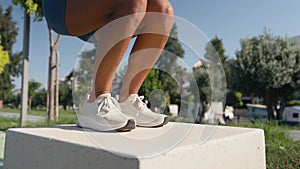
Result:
84,16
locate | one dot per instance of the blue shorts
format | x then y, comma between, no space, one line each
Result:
54,11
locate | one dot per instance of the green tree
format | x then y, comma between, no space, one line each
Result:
268,66
33,87
32,7
40,98
65,96
217,43
234,99
204,89
203,84
8,35
4,58
65,91
211,82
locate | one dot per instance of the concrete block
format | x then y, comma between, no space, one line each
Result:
174,146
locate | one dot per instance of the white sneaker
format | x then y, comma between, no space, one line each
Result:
104,114
144,117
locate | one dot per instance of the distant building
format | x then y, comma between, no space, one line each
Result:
200,64
63,82
291,115
16,92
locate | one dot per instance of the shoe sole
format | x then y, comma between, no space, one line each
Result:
130,125
166,121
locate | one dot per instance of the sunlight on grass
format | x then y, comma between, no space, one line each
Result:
65,117
281,151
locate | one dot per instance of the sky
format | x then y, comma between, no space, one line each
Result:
230,20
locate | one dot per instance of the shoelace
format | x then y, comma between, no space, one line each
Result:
104,104
138,101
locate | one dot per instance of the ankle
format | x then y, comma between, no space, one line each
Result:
94,96
101,92
123,97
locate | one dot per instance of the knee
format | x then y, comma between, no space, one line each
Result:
160,17
128,7
161,6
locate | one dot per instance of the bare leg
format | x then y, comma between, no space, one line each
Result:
148,47
112,39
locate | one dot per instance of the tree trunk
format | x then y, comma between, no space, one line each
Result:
269,104
279,111
53,46
57,87
29,104
51,80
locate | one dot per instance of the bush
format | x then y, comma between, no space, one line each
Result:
293,103
234,99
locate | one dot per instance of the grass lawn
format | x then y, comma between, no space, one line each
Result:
281,151
65,117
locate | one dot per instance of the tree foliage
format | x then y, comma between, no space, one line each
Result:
32,7
40,98
268,66
234,99
217,43
8,35
211,80
203,84
4,58
33,87
207,75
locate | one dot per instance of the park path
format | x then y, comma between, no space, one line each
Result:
17,115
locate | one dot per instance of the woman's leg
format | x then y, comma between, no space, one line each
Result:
97,14
148,47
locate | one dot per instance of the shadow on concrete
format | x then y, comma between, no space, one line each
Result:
67,127
76,128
